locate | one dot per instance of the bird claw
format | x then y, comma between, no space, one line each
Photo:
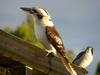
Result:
49,52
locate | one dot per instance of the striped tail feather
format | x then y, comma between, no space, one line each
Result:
72,68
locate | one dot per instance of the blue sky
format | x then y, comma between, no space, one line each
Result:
78,21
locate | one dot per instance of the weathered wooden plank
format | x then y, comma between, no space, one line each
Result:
28,54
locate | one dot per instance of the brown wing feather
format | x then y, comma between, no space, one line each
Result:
55,39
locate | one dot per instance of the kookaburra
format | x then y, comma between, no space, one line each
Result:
84,58
45,30
47,34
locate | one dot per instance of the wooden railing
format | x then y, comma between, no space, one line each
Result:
28,54
24,52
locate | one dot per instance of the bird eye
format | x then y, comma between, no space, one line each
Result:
39,16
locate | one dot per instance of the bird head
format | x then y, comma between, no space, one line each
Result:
89,49
41,15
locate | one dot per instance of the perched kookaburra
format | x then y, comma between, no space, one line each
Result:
45,30
47,34
84,58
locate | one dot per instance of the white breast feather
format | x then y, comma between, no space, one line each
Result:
41,36
85,60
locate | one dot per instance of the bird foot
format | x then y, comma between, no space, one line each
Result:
49,52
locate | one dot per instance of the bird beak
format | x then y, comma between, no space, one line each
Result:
29,10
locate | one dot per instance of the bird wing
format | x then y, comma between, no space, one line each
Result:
78,56
55,39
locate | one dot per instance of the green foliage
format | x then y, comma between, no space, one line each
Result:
98,69
70,54
9,30
26,31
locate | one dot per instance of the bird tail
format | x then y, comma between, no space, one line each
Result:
72,68
79,70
